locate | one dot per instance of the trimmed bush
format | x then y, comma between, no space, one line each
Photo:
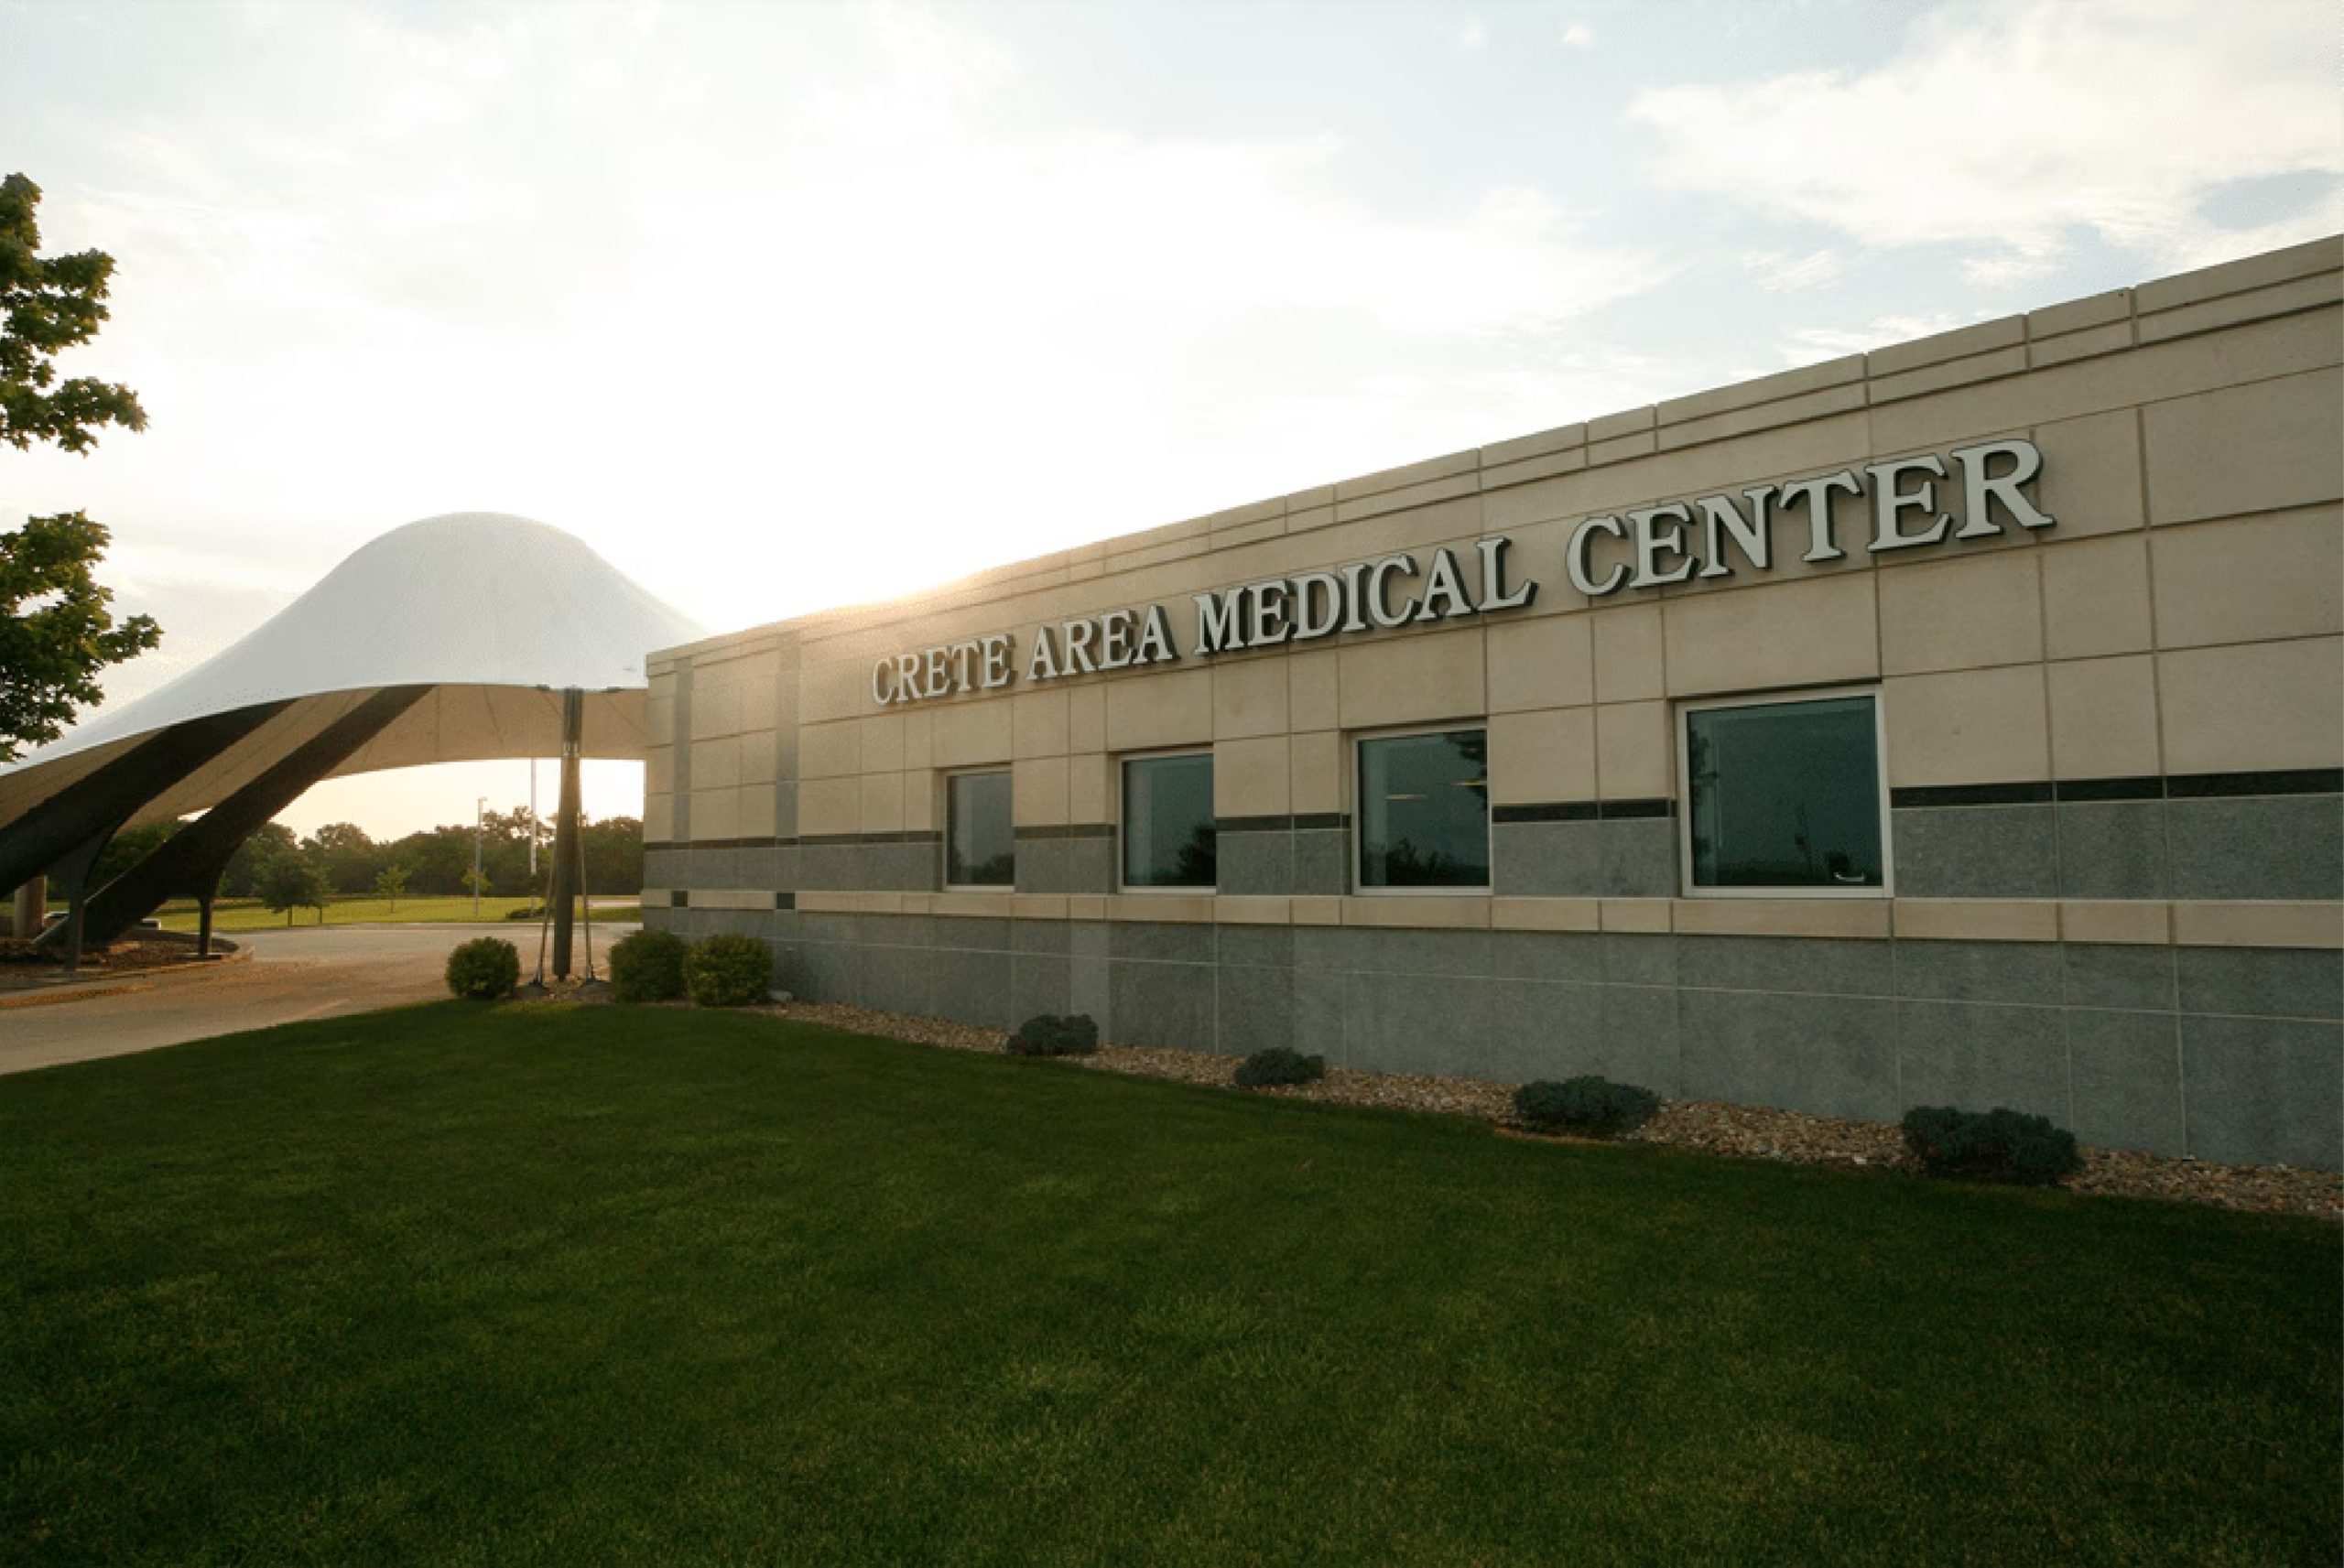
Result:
1594,1107
1280,1065
484,968
1997,1145
728,970
648,966
1051,1034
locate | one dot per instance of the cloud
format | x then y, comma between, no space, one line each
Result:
1579,36
1811,345
1472,35
2009,129
1778,271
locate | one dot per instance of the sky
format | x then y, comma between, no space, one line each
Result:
783,307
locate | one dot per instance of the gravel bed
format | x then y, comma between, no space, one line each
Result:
1713,1127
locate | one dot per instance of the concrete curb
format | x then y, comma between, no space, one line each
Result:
117,985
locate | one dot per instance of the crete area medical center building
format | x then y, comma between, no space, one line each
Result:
1959,723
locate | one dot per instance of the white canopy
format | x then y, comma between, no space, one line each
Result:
498,614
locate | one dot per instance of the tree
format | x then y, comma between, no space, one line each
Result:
242,878
56,632
389,883
49,303
290,881
348,858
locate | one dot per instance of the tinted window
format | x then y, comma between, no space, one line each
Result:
1424,811
980,851
1784,795
1168,822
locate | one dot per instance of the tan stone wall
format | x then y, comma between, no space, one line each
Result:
2183,617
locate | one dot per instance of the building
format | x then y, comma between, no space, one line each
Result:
1961,722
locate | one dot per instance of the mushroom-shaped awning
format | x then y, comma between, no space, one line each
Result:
495,614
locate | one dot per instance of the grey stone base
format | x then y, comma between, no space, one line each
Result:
2232,1054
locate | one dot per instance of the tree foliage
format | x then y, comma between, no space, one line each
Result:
290,881
56,629
48,304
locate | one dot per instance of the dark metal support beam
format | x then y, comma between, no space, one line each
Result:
107,797
191,859
565,880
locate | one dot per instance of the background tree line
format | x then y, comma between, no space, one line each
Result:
437,862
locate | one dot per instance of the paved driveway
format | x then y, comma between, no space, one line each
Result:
317,972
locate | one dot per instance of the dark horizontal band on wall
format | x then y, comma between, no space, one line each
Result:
1551,811
650,844
681,898
2144,786
833,840
1582,810
1070,831
1306,822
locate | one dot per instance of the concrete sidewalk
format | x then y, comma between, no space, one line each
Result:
305,972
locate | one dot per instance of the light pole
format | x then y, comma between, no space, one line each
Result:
533,822
479,807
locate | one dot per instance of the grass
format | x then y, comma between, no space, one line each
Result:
458,1284
232,915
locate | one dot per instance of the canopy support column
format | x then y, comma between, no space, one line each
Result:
565,880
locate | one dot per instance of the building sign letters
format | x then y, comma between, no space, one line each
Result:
1709,536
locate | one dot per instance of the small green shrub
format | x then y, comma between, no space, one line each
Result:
648,966
1998,1145
526,912
1595,1106
728,970
1280,1065
485,968
1051,1034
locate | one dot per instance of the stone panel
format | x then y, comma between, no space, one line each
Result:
1163,1004
1980,972
2119,976
1979,1056
1821,966
969,986
1039,982
1554,956
1639,858
2284,847
1255,1006
1826,1055
1547,859
2272,982
2112,848
1322,862
1975,851
1256,865
2265,1090
1160,941
2124,1069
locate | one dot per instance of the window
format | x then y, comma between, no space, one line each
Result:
1784,795
980,848
1168,822
1424,810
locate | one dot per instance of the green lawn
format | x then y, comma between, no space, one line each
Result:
179,914
598,1286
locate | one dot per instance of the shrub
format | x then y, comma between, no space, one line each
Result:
1280,1065
1049,1034
648,966
1593,1106
486,968
526,912
728,970
1998,1145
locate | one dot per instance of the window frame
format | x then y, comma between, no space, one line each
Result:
944,839
1683,738
1141,890
1355,782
